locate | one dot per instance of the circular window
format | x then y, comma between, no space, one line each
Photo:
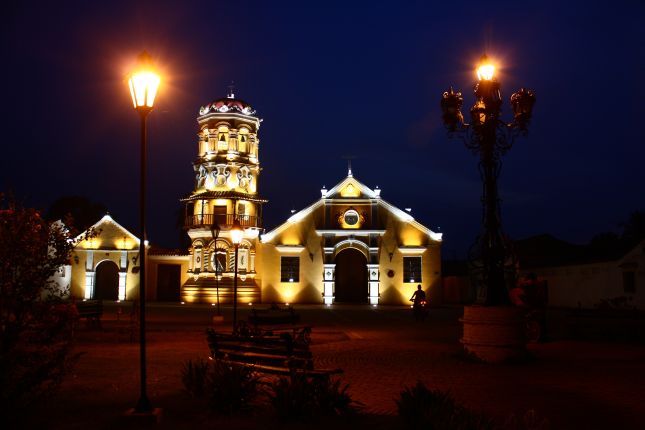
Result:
351,217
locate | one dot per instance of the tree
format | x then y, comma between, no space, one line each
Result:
35,322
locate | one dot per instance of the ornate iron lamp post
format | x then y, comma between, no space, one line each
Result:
215,229
490,138
236,237
143,83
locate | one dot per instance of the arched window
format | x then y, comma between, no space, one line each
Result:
243,140
222,138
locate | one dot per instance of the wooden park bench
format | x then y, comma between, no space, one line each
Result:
273,353
92,310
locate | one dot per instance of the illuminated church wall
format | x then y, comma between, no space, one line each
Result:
113,246
298,240
350,216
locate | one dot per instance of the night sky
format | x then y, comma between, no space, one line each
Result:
331,80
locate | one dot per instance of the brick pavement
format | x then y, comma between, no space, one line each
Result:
573,384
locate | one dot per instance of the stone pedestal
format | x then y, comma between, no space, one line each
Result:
494,334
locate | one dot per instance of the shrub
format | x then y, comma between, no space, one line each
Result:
193,376
229,389
35,322
420,407
304,397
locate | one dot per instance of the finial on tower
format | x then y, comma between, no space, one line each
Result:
349,159
231,91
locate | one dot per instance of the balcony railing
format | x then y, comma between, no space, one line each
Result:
206,220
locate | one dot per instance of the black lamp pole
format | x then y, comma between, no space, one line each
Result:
143,404
490,138
215,229
143,87
237,246
236,233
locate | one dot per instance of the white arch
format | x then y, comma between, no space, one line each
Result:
352,243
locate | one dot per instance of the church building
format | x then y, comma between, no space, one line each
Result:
348,246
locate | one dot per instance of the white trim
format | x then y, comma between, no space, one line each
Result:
404,216
227,115
108,218
364,190
350,232
293,219
289,249
412,250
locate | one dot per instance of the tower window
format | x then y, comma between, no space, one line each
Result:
289,269
243,140
222,139
411,269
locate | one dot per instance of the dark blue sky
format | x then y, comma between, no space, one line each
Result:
331,80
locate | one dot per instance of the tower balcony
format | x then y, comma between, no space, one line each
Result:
223,220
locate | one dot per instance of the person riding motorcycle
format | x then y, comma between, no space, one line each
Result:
419,303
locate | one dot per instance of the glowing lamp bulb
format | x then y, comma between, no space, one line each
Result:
144,83
485,70
236,233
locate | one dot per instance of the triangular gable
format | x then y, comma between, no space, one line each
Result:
336,193
406,217
350,187
108,228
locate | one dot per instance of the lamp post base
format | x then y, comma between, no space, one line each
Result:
494,334
137,419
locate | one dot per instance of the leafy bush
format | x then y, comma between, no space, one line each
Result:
230,389
422,408
304,397
35,322
193,376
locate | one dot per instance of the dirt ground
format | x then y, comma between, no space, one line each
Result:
573,384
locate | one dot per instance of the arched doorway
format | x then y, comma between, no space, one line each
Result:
107,281
351,276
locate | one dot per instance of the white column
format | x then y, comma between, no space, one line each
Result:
89,261
122,285
373,274
124,260
328,283
89,284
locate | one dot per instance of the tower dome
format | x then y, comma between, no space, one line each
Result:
228,104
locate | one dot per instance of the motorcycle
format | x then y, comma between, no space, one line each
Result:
420,309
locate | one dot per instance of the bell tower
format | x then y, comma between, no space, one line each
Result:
226,170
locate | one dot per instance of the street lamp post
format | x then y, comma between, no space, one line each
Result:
215,229
489,137
143,84
236,237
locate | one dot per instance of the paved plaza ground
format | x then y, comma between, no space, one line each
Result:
574,384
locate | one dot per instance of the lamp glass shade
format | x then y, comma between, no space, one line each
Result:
485,70
144,83
236,233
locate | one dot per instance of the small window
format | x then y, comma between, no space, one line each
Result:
629,282
289,269
411,269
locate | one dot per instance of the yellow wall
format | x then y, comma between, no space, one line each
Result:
393,290
309,288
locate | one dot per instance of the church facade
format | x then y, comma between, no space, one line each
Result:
348,246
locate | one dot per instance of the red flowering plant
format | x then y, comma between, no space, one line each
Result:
35,320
